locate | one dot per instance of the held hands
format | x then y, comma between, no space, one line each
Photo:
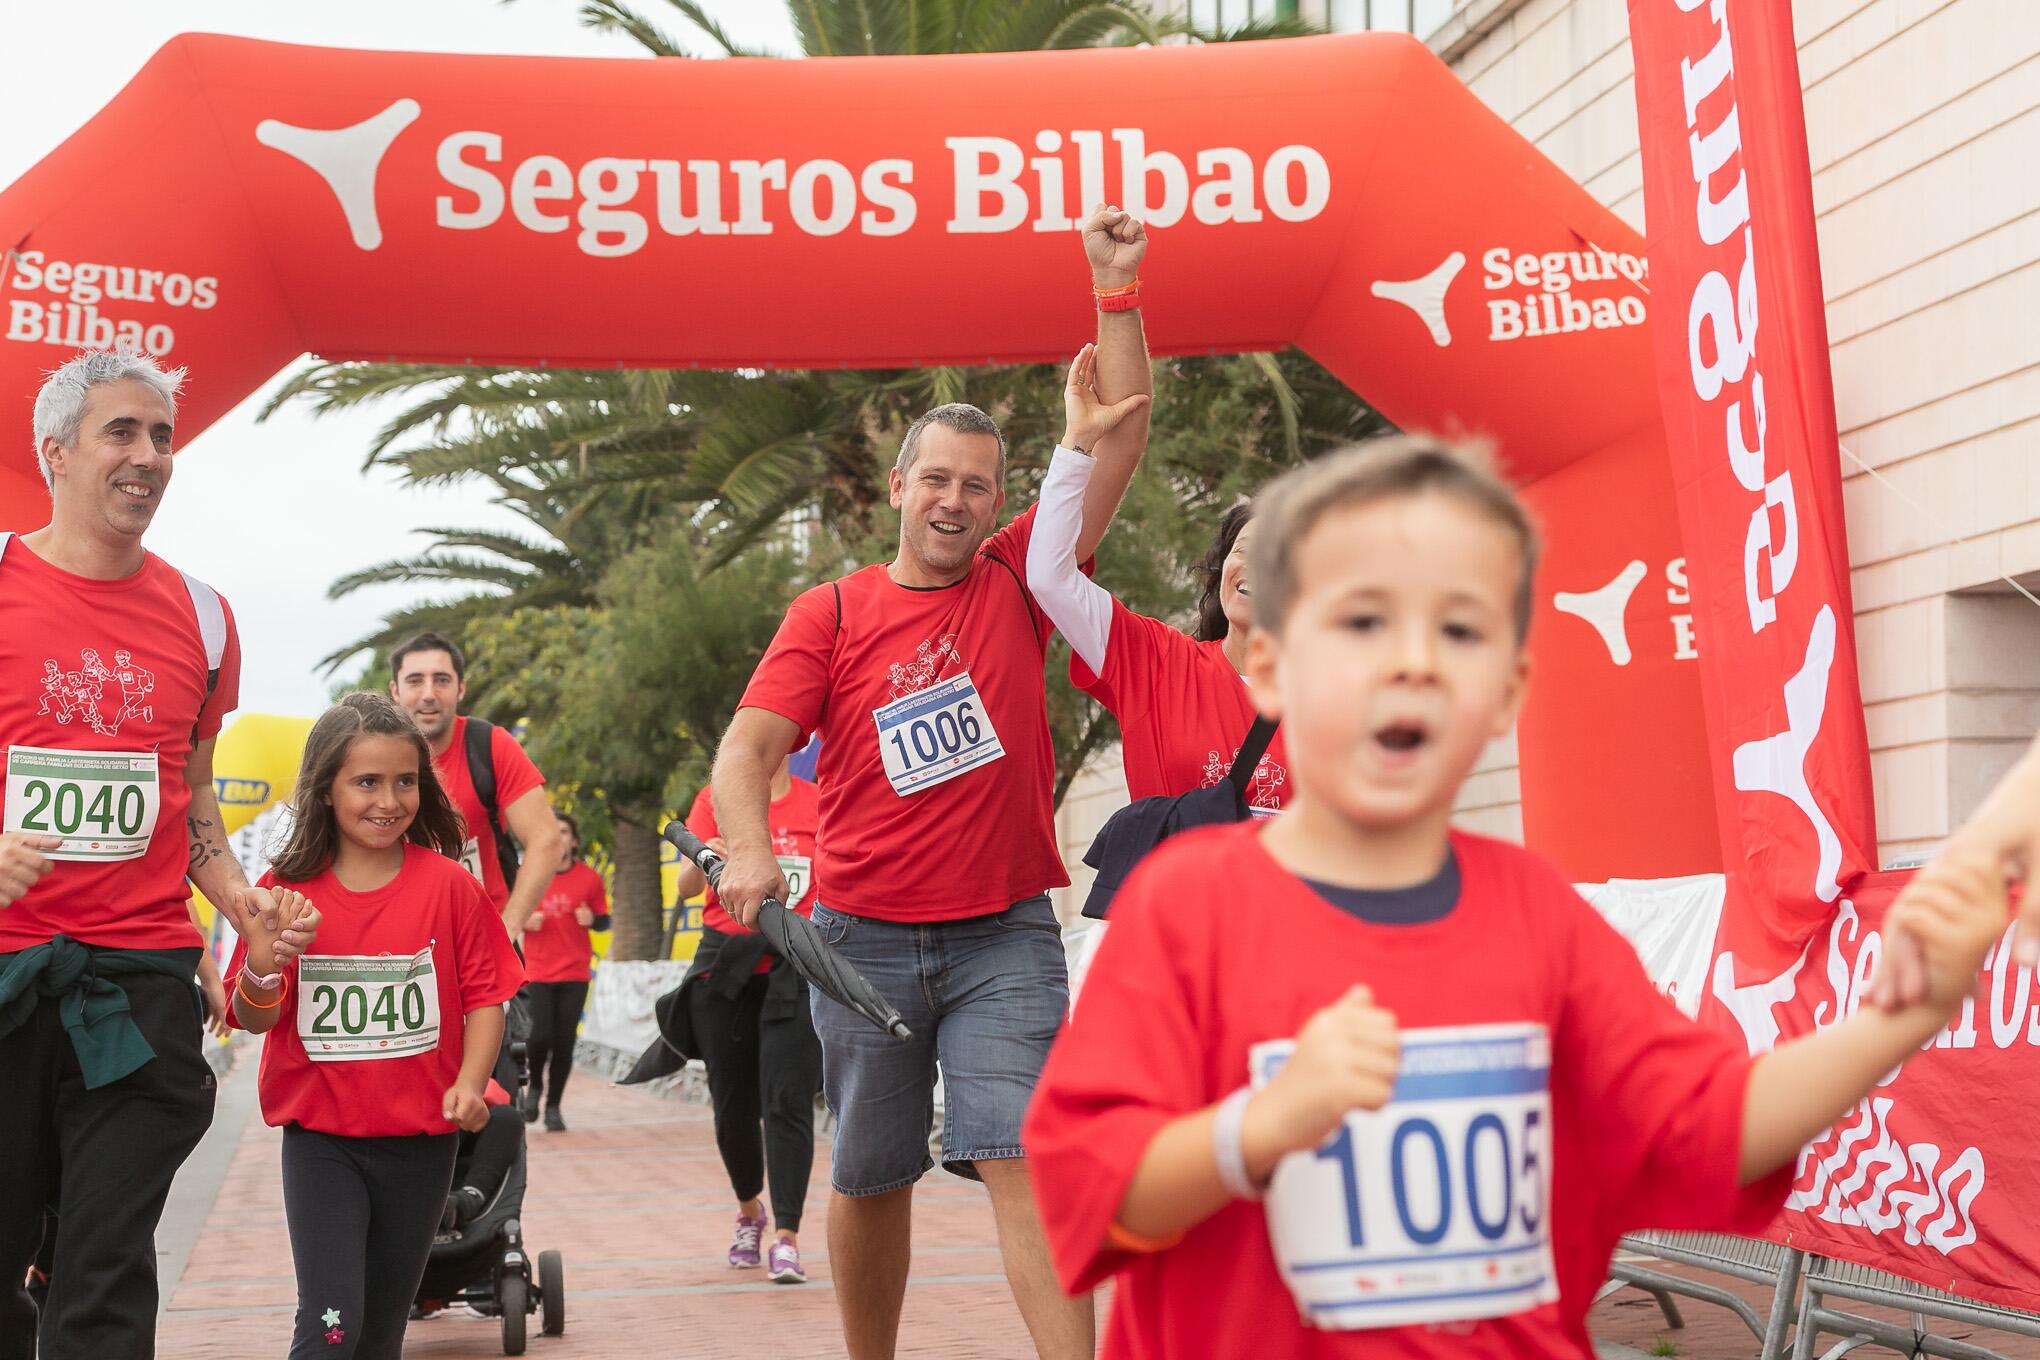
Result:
1087,419
747,880
463,1105
23,863
270,920
1346,1058
1114,242
1938,931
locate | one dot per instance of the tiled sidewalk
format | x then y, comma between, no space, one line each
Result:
634,1197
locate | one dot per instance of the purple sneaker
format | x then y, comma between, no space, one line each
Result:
744,1244
783,1263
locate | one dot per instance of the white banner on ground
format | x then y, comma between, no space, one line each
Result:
619,1012
1671,923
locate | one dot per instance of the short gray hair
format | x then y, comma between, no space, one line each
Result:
959,416
60,405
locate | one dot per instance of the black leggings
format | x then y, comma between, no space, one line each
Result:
350,1202
760,1068
555,1016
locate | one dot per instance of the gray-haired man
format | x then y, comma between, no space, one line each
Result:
108,806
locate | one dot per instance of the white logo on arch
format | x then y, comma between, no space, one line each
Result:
1426,296
1606,609
347,159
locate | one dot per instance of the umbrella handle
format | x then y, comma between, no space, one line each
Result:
705,859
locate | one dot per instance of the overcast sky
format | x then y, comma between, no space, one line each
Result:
221,521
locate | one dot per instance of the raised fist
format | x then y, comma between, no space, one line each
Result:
1114,242
1346,1059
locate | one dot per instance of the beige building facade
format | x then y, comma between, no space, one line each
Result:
1923,128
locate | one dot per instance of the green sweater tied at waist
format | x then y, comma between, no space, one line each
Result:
91,1003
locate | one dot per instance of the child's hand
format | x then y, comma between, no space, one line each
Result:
463,1105
535,921
1937,932
584,917
300,924
1345,1059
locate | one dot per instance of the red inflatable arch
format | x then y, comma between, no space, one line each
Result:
241,203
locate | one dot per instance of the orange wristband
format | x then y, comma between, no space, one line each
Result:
1126,1241
241,990
1118,291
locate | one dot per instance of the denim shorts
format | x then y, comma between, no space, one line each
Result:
984,997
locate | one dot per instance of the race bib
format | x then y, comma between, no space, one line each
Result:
103,803
1434,1208
800,874
935,734
364,1007
471,859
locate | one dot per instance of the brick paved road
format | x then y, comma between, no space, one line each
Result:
633,1195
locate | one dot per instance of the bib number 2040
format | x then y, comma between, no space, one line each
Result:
363,1007
103,804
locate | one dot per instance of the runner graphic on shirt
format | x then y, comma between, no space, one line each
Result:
136,684
1264,790
60,689
921,672
83,691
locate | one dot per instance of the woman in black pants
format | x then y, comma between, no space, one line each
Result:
748,1010
557,961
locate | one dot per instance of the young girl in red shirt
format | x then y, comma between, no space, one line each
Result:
384,1033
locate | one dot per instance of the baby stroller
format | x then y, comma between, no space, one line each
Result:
482,1262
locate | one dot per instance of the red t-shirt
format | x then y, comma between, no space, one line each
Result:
559,950
976,841
431,905
792,821
1183,712
515,777
114,667
1645,1105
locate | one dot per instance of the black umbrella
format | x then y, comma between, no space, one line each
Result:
795,939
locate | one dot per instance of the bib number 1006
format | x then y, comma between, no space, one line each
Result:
921,741
65,808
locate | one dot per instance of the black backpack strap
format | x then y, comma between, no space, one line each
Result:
481,763
1249,755
1026,595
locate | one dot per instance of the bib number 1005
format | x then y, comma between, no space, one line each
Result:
1492,1174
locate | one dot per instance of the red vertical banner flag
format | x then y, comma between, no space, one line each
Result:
1931,1175
1742,368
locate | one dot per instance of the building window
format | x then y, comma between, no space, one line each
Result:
1220,16
1421,17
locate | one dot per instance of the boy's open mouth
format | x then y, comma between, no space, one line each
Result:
1402,736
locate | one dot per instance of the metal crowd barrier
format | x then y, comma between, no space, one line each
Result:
1801,1285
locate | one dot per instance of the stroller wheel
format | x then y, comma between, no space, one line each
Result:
552,1293
512,1292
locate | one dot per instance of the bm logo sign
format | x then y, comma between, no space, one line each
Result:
241,792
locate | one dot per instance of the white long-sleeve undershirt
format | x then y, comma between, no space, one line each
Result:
1076,604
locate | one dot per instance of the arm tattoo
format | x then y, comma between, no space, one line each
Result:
204,848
